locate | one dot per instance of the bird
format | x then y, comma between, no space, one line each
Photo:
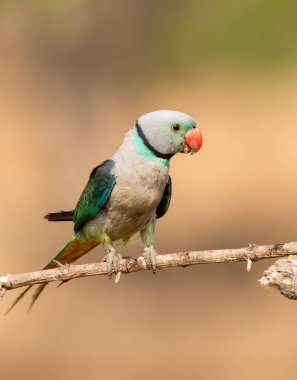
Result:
126,194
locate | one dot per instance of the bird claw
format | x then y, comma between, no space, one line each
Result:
113,264
150,255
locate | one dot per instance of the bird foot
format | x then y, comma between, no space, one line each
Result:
113,264
150,255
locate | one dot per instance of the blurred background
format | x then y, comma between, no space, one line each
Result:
74,77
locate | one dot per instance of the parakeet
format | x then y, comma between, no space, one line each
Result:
127,193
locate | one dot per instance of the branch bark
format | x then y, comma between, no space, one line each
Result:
282,275
128,265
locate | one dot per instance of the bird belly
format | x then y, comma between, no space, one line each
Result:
130,215
117,224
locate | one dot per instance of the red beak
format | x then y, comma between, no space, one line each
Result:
194,139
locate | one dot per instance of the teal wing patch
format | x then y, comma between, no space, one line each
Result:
165,201
95,194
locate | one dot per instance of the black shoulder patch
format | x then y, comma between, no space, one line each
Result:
109,163
165,201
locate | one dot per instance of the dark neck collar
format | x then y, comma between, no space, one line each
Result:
165,156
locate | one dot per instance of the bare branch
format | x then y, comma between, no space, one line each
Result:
129,265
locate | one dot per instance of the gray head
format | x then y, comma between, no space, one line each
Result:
168,132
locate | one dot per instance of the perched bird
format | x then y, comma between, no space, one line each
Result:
127,193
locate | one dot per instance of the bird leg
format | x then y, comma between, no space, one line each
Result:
150,255
111,258
147,237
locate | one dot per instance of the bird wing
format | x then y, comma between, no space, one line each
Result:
165,201
95,194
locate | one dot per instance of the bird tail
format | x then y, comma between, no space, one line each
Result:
72,250
60,216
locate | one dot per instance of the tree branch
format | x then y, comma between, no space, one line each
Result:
129,265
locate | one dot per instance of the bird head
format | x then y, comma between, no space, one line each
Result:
169,132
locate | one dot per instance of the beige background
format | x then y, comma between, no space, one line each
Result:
73,80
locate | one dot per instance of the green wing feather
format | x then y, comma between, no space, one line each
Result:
165,201
95,194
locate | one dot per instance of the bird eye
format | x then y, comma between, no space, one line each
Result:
175,127
194,126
